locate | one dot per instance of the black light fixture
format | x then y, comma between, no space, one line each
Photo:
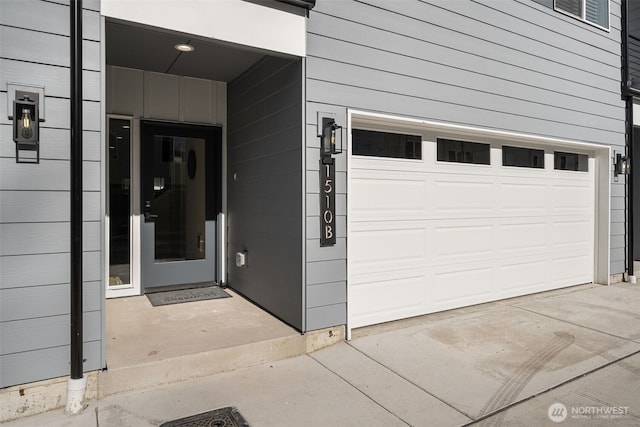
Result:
331,137
26,117
621,165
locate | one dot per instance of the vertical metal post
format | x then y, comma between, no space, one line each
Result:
629,132
630,143
76,189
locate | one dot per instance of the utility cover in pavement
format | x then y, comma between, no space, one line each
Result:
186,295
223,417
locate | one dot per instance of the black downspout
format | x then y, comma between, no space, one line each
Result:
77,368
630,141
627,94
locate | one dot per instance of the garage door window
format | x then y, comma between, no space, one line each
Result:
522,157
450,150
571,161
386,144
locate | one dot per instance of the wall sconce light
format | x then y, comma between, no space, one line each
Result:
26,117
621,165
331,142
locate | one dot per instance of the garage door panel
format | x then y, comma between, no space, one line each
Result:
574,197
530,198
572,270
527,236
463,240
394,196
522,277
385,250
431,236
574,232
461,287
378,301
457,195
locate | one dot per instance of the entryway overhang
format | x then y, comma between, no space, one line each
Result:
230,21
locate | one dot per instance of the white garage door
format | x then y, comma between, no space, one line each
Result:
429,233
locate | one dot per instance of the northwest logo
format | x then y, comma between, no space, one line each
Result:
557,412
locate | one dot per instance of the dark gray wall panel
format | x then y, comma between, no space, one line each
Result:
34,199
265,196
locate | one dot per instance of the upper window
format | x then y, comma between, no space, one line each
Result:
450,150
522,157
386,144
570,161
594,11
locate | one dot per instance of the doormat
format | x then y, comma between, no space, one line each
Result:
224,417
180,296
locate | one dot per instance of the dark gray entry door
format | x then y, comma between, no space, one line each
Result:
181,187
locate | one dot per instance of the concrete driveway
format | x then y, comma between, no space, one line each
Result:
570,356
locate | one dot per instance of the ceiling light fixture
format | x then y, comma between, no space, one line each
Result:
184,47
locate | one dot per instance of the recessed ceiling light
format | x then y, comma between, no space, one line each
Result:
183,47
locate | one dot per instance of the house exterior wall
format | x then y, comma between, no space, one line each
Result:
264,186
514,66
35,198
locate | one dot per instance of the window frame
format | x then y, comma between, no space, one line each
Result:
463,141
419,143
583,18
574,153
518,147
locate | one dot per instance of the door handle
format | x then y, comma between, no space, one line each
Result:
148,216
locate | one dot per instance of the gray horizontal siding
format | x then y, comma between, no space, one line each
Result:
49,175
407,104
45,206
326,316
19,336
20,368
46,301
40,238
57,113
57,144
55,78
18,271
34,199
515,66
45,48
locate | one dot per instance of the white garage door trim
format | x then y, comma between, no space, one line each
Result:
374,121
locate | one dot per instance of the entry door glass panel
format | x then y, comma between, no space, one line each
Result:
178,206
119,202
180,200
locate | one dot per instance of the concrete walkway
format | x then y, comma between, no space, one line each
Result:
574,354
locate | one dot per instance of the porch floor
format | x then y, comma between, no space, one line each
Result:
140,334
